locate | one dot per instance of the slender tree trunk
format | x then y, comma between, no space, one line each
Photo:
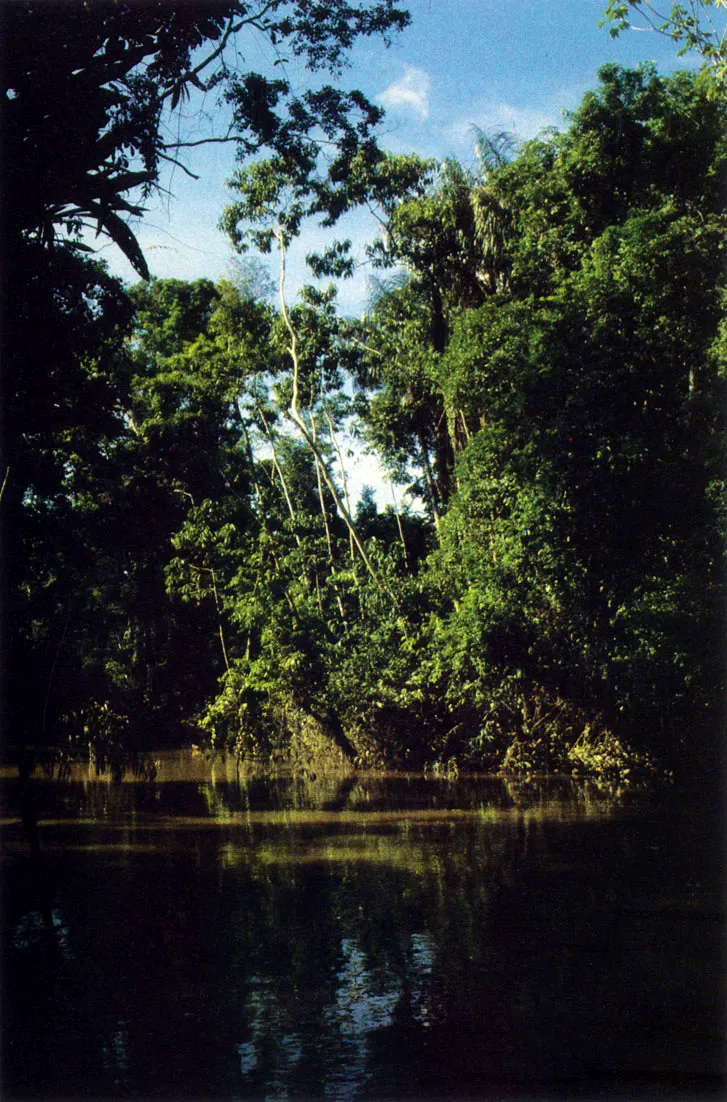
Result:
445,458
431,486
295,417
344,477
438,328
324,514
219,619
339,736
266,527
279,471
398,524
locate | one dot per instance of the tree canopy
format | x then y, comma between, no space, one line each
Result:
541,372
83,110
697,25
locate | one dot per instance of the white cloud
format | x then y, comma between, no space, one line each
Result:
522,122
411,93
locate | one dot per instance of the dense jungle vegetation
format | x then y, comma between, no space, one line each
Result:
542,364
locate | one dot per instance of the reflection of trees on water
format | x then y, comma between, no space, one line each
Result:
338,945
364,1003
559,797
350,954
286,957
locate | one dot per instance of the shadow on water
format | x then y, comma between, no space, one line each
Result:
206,934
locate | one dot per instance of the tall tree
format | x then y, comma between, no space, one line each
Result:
86,90
586,504
697,25
87,86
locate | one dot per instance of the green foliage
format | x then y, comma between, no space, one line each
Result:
546,371
106,447
692,26
581,515
88,87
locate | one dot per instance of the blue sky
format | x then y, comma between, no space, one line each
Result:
511,65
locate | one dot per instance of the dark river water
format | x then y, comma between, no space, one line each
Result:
208,935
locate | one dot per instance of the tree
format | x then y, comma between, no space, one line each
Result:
446,230
692,25
87,88
64,424
83,109
585,509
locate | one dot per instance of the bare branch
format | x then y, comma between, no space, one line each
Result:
233,26
295,416
201,141
174,161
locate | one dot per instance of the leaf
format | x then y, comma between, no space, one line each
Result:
122,236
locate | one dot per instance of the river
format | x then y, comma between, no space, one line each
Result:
210,934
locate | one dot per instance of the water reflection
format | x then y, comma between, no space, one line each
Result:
212,934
